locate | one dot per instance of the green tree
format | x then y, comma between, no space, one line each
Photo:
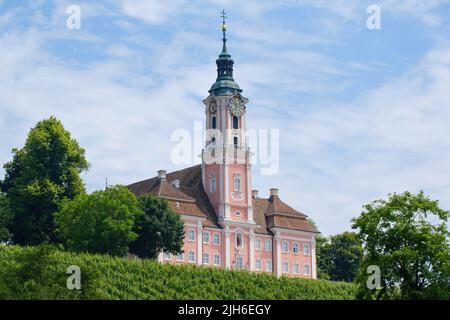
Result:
407,238
323,267
41,174
340,257
101,222
5,218
159,229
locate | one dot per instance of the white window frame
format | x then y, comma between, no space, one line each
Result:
206,237
191,252
258,264
285,267
216,263
180,257
269,263
296,266
191,231
285,246
295,244
306,252
258,247
212,186
206,258
237,183
268,248
242,240
307,270
238,213
216,237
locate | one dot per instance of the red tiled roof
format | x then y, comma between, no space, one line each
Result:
191,199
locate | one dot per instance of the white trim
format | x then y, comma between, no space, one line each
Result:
309,249
208,236
298,247
206,254
189,256
214,260
285,270
284,242
256,265
258,240
267,263
214,239
298,268
304,270
188,238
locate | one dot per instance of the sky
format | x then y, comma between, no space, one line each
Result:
361,113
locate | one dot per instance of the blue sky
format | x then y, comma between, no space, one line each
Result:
362,113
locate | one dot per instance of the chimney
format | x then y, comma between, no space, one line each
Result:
162,174
255,194
176,183
274,192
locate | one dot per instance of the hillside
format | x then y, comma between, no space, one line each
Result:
39,273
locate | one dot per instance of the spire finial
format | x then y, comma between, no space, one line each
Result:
224,30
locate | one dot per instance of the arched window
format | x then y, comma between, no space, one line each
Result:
235,122
213,122
213,140
239,240
237,183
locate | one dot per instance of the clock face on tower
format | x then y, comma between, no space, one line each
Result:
237,106
213,106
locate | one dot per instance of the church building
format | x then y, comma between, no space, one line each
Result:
227,224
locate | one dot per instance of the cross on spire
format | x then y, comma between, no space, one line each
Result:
223,14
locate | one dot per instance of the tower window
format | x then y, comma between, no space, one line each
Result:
235,142
235,122
239,240
212,184
213,122
237,183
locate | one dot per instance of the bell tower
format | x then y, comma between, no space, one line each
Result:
226,168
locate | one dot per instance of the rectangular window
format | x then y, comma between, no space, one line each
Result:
295,248
206,258
285,247
191,256
191,235
268,245
216,260
180,257
296,268
269,265
285,267
216,239
306,269
167,256
212,184
306,249
205,237
258,264
238,213
258,244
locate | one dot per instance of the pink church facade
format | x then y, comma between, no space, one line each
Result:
227,224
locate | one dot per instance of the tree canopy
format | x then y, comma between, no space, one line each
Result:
406,236
339,256
42,174
159,229
101,222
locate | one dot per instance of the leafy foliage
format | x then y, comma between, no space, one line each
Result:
159,229
42,174
5,218
407,237
118,278
339,257
36,273
101,222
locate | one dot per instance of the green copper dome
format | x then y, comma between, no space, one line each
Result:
225,84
